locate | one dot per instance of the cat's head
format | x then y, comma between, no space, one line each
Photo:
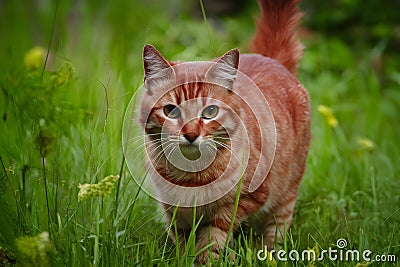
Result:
190,105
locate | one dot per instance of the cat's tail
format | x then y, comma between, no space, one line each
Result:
275,35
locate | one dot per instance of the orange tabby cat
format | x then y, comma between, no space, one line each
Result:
240,122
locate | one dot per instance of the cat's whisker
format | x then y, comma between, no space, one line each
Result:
147,141
227,148
145,135
145,144
169,155
155,153
174,138
211,148
154,148
136,141
174,146
156,144
162,152
222,144
233,138
142,145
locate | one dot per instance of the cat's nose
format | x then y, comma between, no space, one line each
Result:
191,137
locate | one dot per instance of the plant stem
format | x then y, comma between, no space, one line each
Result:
96,238
239,186
46,190
19,209
51,38
119,185
203,12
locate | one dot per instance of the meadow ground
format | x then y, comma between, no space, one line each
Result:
62,126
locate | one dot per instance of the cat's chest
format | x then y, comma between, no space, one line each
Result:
205,213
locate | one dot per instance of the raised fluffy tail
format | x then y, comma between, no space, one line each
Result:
275,36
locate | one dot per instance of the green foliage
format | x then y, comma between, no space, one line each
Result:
371,19
34,98
33,251
61,126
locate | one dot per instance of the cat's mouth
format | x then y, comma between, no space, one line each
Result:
190,151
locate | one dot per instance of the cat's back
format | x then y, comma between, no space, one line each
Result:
287,98
265,71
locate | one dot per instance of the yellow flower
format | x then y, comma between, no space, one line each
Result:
328,115
34,58
365,143
102,188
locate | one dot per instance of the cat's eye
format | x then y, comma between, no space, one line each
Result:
209,112
172,111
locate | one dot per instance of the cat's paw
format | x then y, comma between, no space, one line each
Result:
213,238
207,257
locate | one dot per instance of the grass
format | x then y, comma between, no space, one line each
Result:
63,127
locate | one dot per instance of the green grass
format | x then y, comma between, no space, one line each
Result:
54,136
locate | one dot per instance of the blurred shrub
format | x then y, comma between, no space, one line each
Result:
354,20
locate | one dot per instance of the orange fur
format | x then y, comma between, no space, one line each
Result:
275,36
271,205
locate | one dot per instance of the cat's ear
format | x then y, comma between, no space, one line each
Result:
224,71
157,70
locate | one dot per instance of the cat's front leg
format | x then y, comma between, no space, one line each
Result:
179,237
212,240
277,222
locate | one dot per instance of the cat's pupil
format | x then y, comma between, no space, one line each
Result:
210,112
172,111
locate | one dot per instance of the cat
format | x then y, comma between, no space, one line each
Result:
228,139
